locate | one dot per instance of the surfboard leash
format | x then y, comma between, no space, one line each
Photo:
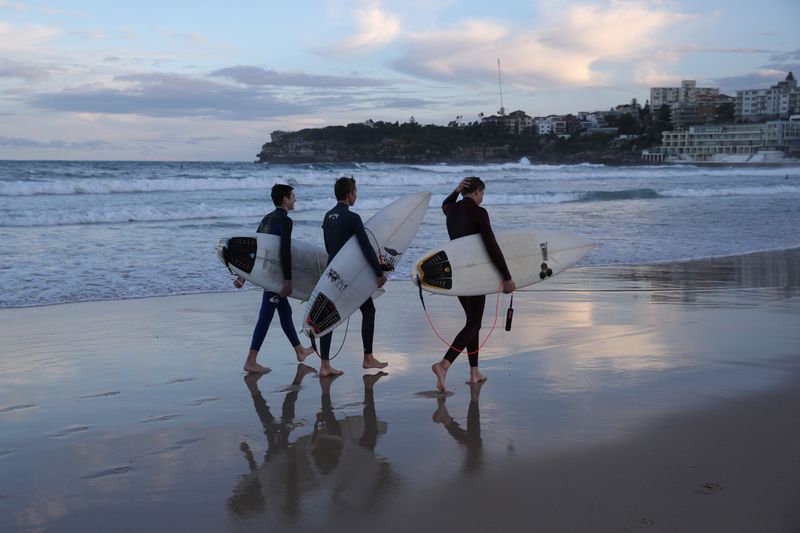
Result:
314,342
496,314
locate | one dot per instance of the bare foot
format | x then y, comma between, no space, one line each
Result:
371,362
255,368
326,370
441,374
302,353
371,379
475,376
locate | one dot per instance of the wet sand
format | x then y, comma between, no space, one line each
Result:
658,398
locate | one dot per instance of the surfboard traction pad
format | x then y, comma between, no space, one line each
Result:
323,313
435,271
241,253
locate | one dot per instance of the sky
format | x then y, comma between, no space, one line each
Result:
191,81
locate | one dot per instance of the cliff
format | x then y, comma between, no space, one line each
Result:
413,143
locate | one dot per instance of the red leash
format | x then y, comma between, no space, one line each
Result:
496,312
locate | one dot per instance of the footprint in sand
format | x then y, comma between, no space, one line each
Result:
68,431
201,401
179,380
177,446
711,488
100,395
109,472
160,418
20,407
433,394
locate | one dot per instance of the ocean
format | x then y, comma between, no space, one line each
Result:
77,231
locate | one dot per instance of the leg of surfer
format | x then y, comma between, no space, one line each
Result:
367,334
268,304
473,310
476,306
325,368
285,314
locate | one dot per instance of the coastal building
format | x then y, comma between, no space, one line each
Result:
743,143
552,124
782,100
516,122
688,92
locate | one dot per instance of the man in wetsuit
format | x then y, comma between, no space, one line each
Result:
338,226
276,223
466,217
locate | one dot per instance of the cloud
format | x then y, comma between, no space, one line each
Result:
256,76
15,69
374,27
16,6
785,57
23,39
566,49
18,142
760,79
168,95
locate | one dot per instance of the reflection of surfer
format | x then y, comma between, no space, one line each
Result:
276,223
248,497
338,226
466,217
354,475
471,438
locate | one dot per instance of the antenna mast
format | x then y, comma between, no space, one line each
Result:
500,83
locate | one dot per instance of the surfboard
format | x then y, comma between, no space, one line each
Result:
349,280
257,259
462,266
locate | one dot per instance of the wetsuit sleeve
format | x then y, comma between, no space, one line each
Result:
286,248
493,249
450,200
363,241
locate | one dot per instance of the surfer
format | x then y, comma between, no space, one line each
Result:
338,226
276,223
466,217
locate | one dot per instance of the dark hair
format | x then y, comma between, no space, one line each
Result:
475,184
343,187
279,192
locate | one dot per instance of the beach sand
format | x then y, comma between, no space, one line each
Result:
653,398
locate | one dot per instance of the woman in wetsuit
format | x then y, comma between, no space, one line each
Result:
467,217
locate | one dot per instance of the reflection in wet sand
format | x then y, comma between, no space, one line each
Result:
471,437
702,280
337,458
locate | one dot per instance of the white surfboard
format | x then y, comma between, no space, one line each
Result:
462,267
257,259
349,280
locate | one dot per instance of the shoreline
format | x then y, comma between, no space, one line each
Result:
622,399
791,251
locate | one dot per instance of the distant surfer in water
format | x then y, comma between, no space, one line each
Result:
276,223
338,226
466,217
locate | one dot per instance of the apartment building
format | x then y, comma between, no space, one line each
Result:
688,92
699,143
516,122
782,100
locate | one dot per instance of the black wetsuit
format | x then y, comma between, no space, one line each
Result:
338,226
276,223
468,218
